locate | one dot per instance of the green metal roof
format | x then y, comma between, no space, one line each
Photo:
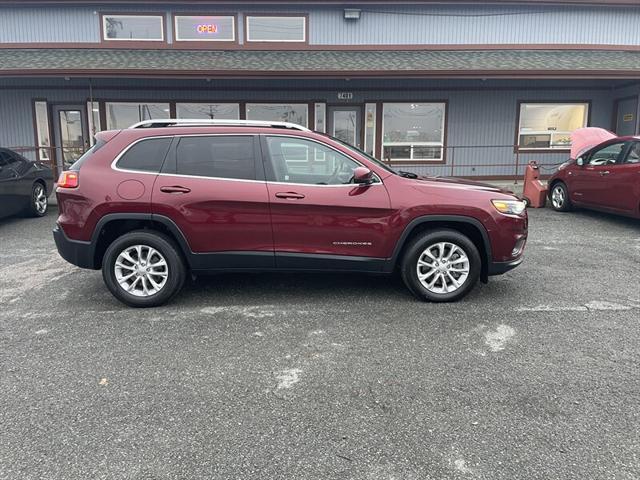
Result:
329,63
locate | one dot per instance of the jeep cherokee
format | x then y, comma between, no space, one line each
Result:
164,198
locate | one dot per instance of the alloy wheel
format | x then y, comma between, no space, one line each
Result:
443,267
557,197
40,201
141,270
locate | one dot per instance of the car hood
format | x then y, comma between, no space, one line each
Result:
464,184
584,139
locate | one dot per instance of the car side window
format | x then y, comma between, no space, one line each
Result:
219,156
608,155
297,160
146,155
634,153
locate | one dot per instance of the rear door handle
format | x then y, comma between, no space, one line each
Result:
602,174
175,189
290,195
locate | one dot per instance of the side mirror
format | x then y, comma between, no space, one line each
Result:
580,161
362,176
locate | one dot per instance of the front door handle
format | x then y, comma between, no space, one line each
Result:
175,189
606,172
290,195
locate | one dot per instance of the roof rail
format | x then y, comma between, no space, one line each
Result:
194,122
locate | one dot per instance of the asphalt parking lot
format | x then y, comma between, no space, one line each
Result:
534,376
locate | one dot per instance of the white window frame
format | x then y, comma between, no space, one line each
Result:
320,117
93,119
370,149
124,15
43,152
248,29
412,145
177,32
551,133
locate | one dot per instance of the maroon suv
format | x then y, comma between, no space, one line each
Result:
151,203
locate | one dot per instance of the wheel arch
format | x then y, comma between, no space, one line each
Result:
112,226
468,226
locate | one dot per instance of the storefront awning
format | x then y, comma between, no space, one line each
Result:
320,63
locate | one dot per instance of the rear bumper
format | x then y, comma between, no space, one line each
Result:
74,251
498,268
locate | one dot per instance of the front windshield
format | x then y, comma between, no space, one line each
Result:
363,153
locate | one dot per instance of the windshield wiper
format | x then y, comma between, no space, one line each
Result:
404,174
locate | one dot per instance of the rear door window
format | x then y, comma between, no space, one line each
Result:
219,156
146,156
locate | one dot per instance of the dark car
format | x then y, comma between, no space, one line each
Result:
605,177
151,203
25,186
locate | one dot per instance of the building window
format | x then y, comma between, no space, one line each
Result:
370,128
93,117
276,29
413,131
42,130
211,111
320,110
124,114
548,126
205,28
139,28
279,112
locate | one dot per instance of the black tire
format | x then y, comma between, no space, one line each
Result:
415,249
176,270
38,202
562,202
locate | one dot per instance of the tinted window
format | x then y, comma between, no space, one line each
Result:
146,155
219,156
12,158
87,155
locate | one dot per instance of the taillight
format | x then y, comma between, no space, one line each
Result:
68,180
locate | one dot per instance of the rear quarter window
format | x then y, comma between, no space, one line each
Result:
146,155
87,155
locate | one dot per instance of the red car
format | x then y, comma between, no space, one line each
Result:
605,177
163,198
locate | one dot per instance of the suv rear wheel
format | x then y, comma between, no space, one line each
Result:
441,266
143,269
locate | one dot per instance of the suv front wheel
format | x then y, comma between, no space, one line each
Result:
143,269
441,266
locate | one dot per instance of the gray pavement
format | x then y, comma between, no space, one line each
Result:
534,376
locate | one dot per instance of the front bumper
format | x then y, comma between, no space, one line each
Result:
76,252
498,268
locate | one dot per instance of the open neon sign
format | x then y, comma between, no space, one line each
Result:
207,28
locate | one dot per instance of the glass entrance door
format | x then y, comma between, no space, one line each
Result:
345,123
71,131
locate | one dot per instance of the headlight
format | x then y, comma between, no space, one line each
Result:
509,207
